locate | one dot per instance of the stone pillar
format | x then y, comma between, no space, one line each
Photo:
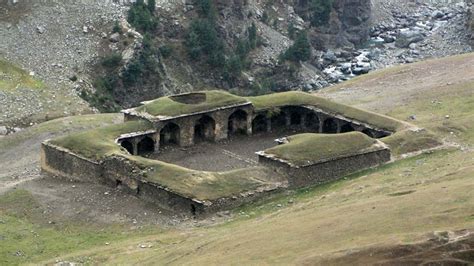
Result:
321,123
339,125
135,146
287,119
156,138
186,135
249,124
269,124
221,119
303,122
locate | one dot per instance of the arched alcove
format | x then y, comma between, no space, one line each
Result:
237,123
169,134
204,129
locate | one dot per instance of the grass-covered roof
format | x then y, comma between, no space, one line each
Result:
99,143
167,106
301,98
307,149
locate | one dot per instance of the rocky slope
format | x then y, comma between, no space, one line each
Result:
61,43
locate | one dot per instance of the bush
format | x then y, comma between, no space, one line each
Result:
202,40
166,50
117,28
300,50
141,16
320,11
112,60
292,31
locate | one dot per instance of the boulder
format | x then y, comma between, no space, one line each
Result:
115,37
437,14
407,37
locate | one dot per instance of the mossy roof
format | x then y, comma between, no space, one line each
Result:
307,149
275,100
203,185
99,143
166,106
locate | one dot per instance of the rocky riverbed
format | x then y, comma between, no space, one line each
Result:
425,32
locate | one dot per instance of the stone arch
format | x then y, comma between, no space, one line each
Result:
237,123
146,145
204,129
127,145
347,128
330,126
170,134
259,124
312,121
278,121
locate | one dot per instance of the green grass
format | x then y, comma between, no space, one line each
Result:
99,143
305,149
202,185
28,237
13,77
270,101
165,106
59,126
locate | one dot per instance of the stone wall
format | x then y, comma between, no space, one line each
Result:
326,171
61,162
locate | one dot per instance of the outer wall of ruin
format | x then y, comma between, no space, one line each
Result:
326,171
61,162
112,171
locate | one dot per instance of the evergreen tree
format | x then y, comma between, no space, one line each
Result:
300,50
151,6
320,12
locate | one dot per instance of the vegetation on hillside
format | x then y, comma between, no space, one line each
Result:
320,12
142,70
203,43
300,50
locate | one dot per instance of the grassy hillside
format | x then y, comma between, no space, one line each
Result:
388,206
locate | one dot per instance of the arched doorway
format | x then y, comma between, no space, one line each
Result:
169,134
312,122
330,126
279,121
204,129
259,124
237,123
295,119
127,145
347,128
146,145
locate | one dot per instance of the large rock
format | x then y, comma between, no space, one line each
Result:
407,37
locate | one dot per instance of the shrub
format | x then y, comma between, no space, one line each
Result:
300,50
265,17
112,60
117,28
292,31
141,17
320,11
166,50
